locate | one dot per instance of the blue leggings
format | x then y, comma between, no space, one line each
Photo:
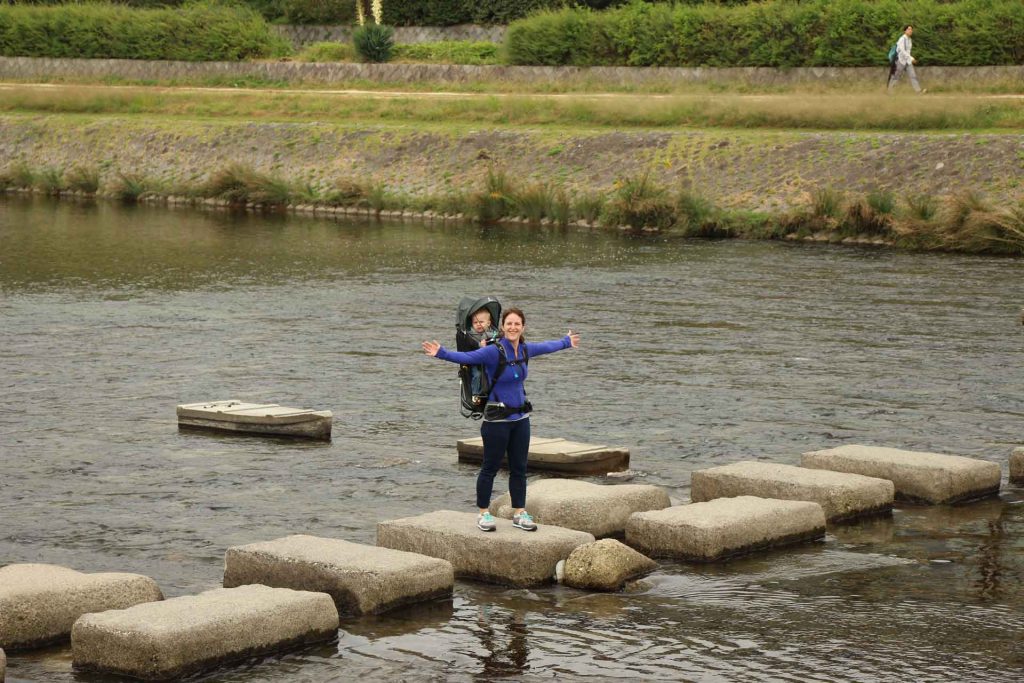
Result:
499,438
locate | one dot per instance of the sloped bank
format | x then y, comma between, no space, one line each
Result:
771,173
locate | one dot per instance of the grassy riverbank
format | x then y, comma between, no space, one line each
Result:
800,110
918,172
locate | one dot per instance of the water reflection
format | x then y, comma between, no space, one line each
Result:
695,354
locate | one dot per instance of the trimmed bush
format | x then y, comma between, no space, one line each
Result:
193,32
784,33
450,12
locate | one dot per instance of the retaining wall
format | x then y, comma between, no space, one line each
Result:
35,69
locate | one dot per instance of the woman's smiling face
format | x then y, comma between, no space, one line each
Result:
512,326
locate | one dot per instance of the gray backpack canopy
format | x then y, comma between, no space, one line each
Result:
472,402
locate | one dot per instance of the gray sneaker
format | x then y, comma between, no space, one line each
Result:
524,521
485,522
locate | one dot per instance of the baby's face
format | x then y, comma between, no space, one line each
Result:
481,322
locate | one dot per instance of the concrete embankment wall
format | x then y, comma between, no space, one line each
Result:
739,169
36,69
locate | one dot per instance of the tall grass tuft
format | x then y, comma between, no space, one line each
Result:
21,175
696,216
496,200
130,187
346,193
240,184
561,207
640,203
534,202
84,179
826,202
921,207
50,180
588,207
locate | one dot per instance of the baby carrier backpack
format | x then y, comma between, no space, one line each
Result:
471,403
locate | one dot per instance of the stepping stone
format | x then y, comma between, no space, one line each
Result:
180,636
557,455
39,603
256,418
584,506
1017,467
724,527
605,565
507,556
919,477
843,496
362,579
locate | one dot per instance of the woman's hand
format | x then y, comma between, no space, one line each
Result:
431,348
574,339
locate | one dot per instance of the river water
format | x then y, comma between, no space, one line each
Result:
693,354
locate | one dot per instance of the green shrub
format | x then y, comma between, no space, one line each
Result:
449,12
327,52
346,193
641,204
130,187
374,42
319,11
784,33
495,201
84,179
194,32
588,207
50,180
21,175
449,52
534,203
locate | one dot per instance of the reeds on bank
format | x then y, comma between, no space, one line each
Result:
964,222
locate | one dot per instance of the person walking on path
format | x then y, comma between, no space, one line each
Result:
904,62
506,423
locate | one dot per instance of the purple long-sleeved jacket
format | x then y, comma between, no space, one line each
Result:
509,388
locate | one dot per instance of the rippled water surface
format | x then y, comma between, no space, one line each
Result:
694,354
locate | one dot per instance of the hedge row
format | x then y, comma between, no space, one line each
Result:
396,12
450,12
194,32
783,33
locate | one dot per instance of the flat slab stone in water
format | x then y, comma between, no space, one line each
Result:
843,496
584,506
256,418
508,556
724,527
1017,466
558,455
919,477
362,579
180,636
39,603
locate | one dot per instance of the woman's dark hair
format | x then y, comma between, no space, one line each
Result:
907,26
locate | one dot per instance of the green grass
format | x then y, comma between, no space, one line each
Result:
797,111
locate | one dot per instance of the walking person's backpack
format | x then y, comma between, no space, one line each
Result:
893,51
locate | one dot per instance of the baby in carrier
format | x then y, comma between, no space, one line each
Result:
483,332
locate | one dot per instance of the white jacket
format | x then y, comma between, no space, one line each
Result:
903,46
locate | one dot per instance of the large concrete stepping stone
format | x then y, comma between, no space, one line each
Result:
557,455
40,602
177,637
605,565
362,579
724,527
507,556
843,496
573,504
1017,467
919,477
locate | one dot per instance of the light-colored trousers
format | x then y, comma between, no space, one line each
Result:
909,68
